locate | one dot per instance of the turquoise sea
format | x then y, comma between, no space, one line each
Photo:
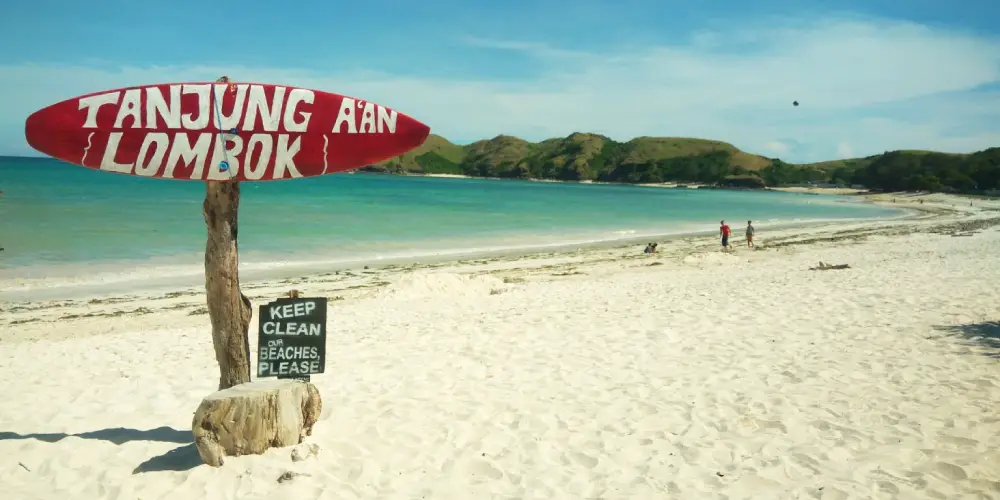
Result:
58,216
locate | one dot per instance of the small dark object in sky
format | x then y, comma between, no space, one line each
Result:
795,103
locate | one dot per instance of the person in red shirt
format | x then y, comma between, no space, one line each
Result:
724,231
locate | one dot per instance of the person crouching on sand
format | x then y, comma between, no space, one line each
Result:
749,234
650,248
724,231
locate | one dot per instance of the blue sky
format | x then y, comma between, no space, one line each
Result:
871,76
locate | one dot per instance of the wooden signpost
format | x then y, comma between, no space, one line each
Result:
224,133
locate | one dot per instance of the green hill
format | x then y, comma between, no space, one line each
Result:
436,155
592,157
576,157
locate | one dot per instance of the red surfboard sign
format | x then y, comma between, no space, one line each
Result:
221,131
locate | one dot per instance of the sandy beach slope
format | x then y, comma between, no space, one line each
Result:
689,374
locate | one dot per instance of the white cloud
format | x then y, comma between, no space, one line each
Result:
844,150
867,85
776,148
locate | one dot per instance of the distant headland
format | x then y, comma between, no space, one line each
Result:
647,160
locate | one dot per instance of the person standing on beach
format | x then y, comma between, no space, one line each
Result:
749,234
724,231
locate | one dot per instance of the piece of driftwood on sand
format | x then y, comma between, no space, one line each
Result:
250,418
823,266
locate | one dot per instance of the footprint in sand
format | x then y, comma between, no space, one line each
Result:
833,494
584,460
887,487
346,450
482,469
961,442
949,471
912,479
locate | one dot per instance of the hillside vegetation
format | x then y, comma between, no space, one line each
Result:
592,157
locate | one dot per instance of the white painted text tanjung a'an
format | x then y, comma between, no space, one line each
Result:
194,143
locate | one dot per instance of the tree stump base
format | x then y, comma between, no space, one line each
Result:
248,419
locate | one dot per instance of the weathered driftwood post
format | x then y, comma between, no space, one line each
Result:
228,309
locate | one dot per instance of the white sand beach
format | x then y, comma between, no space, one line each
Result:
687,374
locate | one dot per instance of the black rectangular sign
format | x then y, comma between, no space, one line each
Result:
292,338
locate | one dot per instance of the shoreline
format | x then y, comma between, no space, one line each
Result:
912,213
689,185
662,185
821,190
809,190
188,275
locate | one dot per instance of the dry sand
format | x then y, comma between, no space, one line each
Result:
688,374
